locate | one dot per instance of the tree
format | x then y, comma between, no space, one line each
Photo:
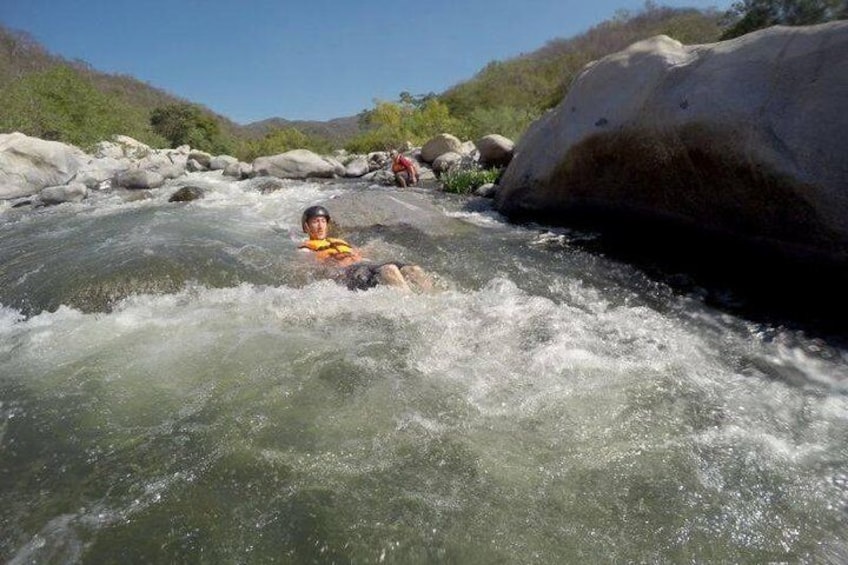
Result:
750,15
186,124
433,118
392,124
415,101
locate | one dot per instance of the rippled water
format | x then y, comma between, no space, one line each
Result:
178,385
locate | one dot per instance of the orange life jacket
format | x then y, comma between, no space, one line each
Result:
328,248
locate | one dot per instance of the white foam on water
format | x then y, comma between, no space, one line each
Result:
571,401
488,218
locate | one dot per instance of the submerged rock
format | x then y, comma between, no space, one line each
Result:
187,194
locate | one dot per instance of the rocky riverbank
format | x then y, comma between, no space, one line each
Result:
35,171
723,163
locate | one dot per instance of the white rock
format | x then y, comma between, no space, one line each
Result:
74,192
28,164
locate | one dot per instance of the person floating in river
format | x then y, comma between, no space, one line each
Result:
347,263
406,173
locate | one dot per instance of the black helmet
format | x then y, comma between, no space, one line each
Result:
313,212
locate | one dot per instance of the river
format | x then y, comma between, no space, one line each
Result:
178,385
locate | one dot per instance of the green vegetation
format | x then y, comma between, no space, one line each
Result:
46,96
185,124
465,181
392,124
751,15
61,104
279,141
506,96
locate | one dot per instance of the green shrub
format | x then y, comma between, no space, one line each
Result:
279,141
380,139
390,125
187,124
62,104
508,121
464,181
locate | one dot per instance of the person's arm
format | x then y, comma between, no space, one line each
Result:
345,259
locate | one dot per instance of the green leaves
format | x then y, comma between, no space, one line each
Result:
750,15
392,124
464,181
279,141
186,124
60,103
506,96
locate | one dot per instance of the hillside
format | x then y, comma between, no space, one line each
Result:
518,90
337,130
45,95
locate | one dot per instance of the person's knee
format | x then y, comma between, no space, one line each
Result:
416,276
390,275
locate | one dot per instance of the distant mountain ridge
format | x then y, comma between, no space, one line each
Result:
335,130
504,96
21,54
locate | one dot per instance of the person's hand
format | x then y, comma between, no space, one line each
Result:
345,259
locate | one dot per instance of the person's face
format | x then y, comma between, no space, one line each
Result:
317,227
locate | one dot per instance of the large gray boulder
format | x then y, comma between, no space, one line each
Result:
446,161
221,162
73,192
29,164
98,173
201,157
122,146
358,167
413,210
439,145
238,170
495,150
139,179
742,138
297,164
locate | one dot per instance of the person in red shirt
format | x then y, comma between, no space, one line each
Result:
406,173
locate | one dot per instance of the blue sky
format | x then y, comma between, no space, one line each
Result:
304,59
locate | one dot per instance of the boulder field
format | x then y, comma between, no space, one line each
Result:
52,172
742,142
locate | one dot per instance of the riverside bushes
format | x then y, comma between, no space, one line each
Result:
465,181
63,105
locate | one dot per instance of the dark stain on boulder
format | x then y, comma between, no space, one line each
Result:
691,178
690,202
